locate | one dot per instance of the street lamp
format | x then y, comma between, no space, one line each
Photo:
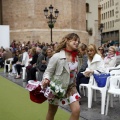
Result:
101,30
51,19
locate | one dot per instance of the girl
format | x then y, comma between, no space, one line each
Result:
63,67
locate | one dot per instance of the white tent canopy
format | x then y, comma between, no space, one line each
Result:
4,36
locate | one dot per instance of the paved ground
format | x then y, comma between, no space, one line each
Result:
85,114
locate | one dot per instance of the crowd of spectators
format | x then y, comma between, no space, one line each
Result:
32,54
26,54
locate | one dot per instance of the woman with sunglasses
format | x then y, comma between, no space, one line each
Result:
95,62
101,52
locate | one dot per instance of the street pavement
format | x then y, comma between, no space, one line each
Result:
86,113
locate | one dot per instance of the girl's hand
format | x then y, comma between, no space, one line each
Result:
45,83
43,62
88,73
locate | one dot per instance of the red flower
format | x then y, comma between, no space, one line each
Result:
71,75
63,102
77,97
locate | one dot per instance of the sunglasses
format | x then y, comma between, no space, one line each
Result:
100,49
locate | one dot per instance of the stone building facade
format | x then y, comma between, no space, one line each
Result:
110,17
0,12
92,21
28,23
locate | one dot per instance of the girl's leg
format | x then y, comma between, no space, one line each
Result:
75,110
52,109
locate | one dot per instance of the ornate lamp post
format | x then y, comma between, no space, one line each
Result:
51,19
101,30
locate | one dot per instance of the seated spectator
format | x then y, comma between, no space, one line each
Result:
15,60
95,62
110,59
82,64
49,53
25,62
101,52
41,60
1,62
6,55
34,54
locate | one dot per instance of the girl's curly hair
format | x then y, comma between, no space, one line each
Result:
62,44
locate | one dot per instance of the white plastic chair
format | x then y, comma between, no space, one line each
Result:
88,86
102,91
114,89
24,72
10,59
115,72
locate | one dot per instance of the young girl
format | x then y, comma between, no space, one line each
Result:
63,67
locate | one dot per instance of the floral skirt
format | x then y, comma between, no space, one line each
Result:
71,96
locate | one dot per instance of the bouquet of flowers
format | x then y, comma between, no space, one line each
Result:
54,90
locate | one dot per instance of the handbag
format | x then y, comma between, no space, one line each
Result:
34,88
101,78
8,61
42,67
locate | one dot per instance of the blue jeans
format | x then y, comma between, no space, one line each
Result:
81,79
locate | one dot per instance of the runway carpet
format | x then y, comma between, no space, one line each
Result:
16,105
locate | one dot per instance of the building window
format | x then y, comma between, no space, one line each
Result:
113,23
104,15
112,2
108,14
112,12
108,25
87,7
104,26
116,33
104,5
108,4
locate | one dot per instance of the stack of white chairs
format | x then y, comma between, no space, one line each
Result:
6,64
114,89
103,90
